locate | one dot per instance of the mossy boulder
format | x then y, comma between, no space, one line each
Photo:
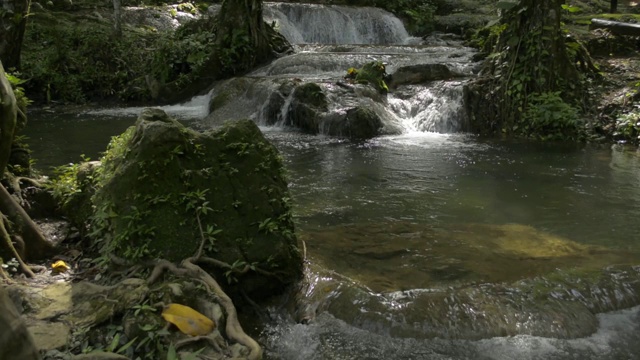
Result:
159,182
307,106
420,74
361,123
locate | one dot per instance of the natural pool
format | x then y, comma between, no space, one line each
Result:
422,212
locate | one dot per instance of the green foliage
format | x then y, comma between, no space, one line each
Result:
372,73
628,126
16,83
64,184
548,117
485,38
80,61
417,14
237,54
570,8
532,65
182,55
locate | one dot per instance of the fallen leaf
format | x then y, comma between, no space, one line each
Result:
60,266
188,320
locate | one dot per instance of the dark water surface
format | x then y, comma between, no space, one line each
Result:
421,211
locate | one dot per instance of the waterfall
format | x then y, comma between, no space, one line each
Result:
434,108
307,24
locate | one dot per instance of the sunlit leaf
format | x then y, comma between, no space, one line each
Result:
188,320
60,266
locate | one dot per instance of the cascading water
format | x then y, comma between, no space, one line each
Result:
355,37
307,24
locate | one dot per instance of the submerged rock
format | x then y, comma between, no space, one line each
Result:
164,188
474,281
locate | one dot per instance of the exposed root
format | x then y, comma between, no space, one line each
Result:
245,269
3,274
214,339
9,244
233,328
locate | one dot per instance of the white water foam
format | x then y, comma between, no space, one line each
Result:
617,338
196,108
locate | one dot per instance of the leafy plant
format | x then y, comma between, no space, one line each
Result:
628,126
548,117
16,83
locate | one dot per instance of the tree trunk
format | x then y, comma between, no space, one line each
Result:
8,119
614,6
240,23
13,22
534,60
117,17
35,245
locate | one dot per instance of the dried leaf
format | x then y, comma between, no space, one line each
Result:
60,266
188,320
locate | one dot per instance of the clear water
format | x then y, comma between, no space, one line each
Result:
429,211
418,245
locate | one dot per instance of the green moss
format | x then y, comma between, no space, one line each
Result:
312,94
159,177
372,73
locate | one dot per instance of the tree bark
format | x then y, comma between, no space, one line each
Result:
239,18
117,17
533,60
13,22
614,6
8,119
35,243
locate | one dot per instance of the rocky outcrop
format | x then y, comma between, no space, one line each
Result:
310,112
163,188
420,74
307,107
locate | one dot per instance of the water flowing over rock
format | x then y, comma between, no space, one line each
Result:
426,80
308,23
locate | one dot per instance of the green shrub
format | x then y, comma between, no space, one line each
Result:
628,126
548,117
83,60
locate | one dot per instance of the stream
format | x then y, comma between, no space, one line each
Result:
425,242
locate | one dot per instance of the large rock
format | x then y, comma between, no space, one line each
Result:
309,111
420,74
307,106
160,181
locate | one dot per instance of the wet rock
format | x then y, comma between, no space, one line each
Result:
307,106
361,123
420,74
50,336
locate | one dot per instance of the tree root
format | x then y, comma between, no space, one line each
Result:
233,328
211,338
7,242
36,245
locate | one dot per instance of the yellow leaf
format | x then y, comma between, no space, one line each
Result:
188,320
60,266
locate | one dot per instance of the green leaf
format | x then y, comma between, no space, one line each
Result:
506,5
513,41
